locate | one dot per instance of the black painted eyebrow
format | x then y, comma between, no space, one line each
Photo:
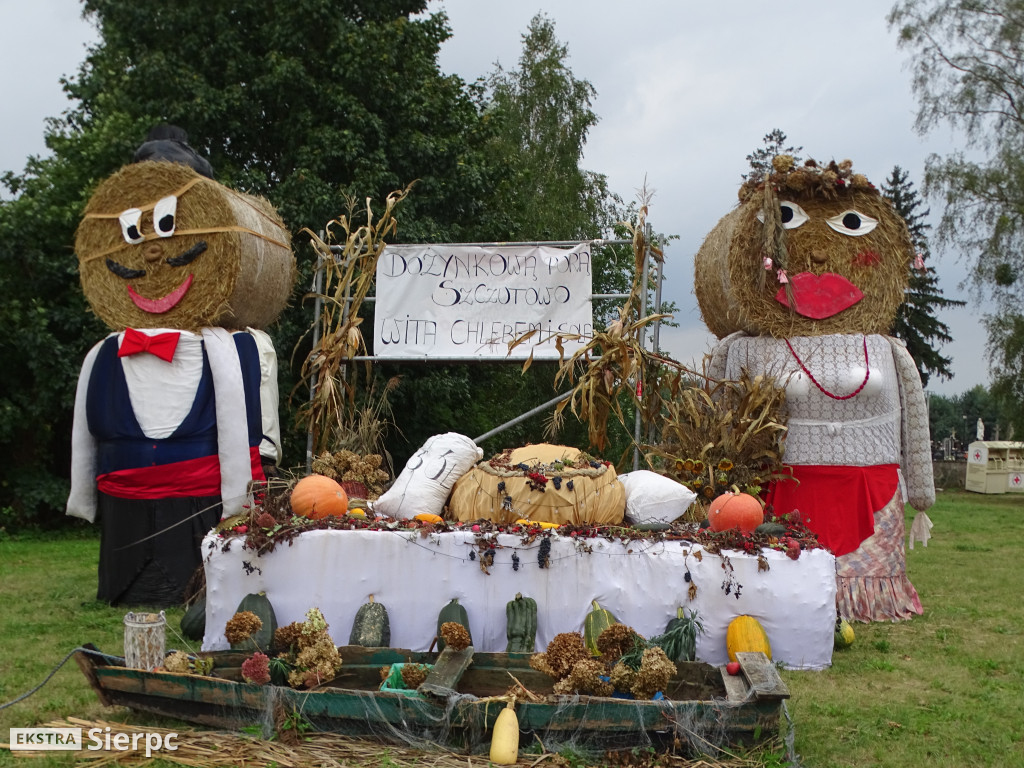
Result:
125,272
188,256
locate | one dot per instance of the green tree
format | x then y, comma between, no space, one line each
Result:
308,103
980,402
1006,348
543,114
760,159
916,323
539,115
968,65
944,418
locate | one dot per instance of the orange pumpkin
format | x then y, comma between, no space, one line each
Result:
735,510
317,497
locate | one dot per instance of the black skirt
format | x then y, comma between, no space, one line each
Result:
149,548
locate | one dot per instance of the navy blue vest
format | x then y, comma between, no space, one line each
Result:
121,443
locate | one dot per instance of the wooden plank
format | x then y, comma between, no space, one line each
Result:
447,671
762,676
88,664
737,690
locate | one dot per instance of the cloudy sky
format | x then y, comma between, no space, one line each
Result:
685,92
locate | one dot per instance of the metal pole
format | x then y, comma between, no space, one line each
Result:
637,421
522,417
656,340
318,275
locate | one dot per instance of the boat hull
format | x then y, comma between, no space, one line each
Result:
703,707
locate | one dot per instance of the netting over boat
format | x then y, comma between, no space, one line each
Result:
582,724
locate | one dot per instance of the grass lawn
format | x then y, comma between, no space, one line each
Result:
945,689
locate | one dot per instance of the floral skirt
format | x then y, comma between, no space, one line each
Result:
871,581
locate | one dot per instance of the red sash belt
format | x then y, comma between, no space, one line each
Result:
194,477
837,503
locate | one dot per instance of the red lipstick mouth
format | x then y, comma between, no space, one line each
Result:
819,296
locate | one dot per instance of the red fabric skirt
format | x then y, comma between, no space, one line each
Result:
837,503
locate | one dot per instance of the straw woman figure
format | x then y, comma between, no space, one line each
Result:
802,282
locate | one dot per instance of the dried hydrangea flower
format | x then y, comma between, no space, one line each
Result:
455,635
241,627
256,669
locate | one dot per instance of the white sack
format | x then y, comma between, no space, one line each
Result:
654,498
428,476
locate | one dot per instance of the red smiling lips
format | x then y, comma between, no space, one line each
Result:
164,303
818,297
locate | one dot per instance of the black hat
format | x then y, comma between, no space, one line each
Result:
169,143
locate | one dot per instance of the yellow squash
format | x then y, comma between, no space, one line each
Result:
746,635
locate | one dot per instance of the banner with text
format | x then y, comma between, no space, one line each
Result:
463,301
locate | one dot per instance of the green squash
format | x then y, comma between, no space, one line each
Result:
521,624
193,623
844,636
597,621
452,612
652,527
771,529
261,640
372,627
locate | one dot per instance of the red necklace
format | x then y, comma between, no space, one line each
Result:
867,373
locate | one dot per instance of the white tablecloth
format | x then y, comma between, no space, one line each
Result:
641,582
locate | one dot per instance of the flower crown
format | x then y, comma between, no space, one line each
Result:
809,180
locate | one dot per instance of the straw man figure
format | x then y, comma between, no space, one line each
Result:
176,411
802,282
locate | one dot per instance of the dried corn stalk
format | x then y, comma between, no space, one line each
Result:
605,371
333,414
722,436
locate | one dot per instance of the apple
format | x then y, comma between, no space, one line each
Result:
733,667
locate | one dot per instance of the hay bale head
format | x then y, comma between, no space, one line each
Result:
162,247
839,263
718,306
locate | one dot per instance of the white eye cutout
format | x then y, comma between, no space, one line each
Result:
792,215
852,223
163,216
129,221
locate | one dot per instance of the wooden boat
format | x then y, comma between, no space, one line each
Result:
703,707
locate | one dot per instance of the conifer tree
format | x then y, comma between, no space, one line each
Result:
916,322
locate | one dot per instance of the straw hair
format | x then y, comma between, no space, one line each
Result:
243,278
737,293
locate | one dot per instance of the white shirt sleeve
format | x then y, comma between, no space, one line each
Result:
270,447
82,499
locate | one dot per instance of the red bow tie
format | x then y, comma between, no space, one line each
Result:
161,344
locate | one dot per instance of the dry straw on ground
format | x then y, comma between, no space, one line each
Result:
244,277
229,749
